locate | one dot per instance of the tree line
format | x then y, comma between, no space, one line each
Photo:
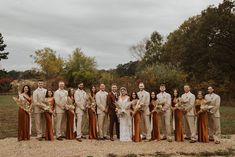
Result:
200,52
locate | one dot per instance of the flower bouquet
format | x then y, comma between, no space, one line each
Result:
25,105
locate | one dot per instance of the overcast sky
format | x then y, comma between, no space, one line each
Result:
104,29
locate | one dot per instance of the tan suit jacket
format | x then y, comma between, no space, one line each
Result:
38,97
80,97
101,101
189,103
144,98
60,100
215,101
166,99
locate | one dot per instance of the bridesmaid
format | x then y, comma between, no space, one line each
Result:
70,130
155,117
202,124
23,116
50,102
178,117
136,116
91,105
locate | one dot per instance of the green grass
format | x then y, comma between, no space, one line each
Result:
9,118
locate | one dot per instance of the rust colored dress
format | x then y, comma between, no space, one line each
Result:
70,134
179,133
156,122
48,116
92,117
137,131
24,121
202,122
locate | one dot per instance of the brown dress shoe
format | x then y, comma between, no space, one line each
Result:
79,139
59,138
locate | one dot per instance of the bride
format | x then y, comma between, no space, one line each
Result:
123,112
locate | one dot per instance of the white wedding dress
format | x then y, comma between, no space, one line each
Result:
125,120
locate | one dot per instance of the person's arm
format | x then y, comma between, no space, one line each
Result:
77,101
191,103
167,103
58,100
99,102
217,105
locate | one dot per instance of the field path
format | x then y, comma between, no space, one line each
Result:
9,147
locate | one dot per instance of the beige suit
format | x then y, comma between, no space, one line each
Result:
101,101
165,98
40,122
214,117
61,118
80,102
188,99
144,98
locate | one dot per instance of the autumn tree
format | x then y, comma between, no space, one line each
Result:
80,67
49,62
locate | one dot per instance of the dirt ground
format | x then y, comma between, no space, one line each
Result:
10,147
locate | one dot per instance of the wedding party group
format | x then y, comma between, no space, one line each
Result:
137,116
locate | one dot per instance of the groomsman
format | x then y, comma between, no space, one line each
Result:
214,115
111,99
80,101
101,101
60,102
38,97
188,100
164,98
144,98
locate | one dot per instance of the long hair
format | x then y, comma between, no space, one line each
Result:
29,92
131,97
178,94
70,92
151,96
93,93
49,90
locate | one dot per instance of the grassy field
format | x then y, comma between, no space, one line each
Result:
9,117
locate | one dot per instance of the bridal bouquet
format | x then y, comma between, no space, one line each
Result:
119,110
25,105
157,106
181,104
205,107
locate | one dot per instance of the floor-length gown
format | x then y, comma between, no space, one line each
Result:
92,117
155,122
125,120
70,134
49,118
178,116
202,123
23,120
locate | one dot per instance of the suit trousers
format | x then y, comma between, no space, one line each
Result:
40,124
147,125
214,127
114,120
102,125
61,120
190,127
166,123
79,124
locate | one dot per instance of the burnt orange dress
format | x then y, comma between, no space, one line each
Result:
202,122
136,137
70,134
179,133
156,122
24,122
92,118
48,116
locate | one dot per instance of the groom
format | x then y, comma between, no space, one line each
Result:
111,99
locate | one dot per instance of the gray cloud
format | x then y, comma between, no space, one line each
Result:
104,29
